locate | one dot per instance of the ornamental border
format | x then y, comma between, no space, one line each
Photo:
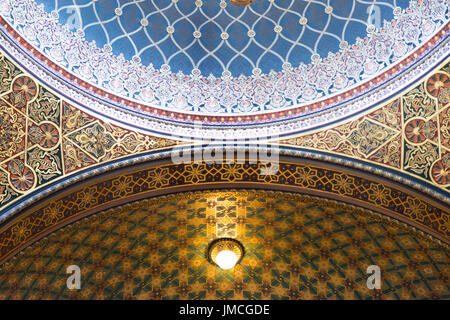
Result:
6,262
159,178
142,123
235,120
297,154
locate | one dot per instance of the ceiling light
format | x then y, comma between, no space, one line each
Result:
225,253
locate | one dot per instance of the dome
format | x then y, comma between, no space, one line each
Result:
271,67
224,149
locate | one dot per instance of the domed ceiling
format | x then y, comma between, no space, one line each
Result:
220,65
217,36
48,143
297,247
98,98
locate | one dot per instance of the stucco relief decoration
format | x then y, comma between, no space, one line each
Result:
227,92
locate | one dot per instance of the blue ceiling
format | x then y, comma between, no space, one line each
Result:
140,28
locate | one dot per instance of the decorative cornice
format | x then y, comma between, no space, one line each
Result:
118,188
417,233
198,129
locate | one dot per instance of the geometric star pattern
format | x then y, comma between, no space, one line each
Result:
297,247
43,138
411,133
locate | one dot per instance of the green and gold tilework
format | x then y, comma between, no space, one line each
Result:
109,192
297,247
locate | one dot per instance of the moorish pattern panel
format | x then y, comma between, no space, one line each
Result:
227,72
87,199
411,133
297,247
43,138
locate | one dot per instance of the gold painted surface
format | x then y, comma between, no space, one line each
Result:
44,139
347,187
297,247
410,133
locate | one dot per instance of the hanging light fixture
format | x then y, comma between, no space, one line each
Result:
225,253
242,3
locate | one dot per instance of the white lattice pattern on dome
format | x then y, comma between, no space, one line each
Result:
191,91
215,36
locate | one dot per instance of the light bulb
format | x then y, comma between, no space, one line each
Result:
225,253
226,259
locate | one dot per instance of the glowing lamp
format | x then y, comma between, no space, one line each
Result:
225,253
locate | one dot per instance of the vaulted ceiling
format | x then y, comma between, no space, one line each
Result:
297,247
97,96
